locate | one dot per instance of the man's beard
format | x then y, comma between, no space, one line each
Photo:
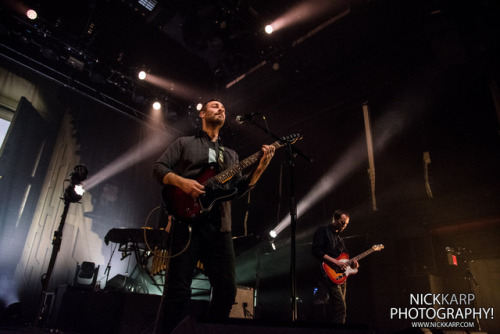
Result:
215,122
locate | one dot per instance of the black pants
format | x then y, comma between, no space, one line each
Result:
216,252
336,306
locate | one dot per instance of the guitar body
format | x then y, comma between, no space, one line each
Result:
186,208
336,275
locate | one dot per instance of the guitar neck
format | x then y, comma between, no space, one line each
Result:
362,255
232,171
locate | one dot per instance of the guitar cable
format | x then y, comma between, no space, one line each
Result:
245,220
159,254
280,193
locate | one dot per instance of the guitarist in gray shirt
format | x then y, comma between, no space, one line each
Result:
210,241
328,248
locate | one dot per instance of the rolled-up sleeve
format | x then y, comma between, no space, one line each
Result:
168,161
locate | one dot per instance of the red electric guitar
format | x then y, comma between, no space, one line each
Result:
339,276
186,208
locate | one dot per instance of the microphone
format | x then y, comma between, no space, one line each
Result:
247,117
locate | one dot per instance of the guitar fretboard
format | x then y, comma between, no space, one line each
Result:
362,255
227,174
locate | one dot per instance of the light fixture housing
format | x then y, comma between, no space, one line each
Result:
79,174
74,192
273,234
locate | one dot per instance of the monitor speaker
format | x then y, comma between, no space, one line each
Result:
243,307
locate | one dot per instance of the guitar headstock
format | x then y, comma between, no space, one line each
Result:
377,247
291,139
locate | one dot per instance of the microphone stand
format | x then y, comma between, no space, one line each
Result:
56,246
293,224
471,279
70,196
292,152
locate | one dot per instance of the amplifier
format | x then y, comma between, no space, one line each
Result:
243,307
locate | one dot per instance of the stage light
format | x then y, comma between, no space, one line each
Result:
49,54
86,270
156,105
273,234
86,275
75,63
98,72
74,192
122,82
139,95
199,106
79,174
269,247
31,14
304,11
142,75
79,190
148,4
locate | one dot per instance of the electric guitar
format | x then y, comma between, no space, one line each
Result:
187,209
337,275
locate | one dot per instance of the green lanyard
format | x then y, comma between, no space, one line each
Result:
219,152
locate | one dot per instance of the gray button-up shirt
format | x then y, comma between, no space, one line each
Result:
190,156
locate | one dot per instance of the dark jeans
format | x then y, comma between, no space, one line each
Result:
216,252
336,306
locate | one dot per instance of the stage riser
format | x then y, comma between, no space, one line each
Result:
107,312
114,312
191,326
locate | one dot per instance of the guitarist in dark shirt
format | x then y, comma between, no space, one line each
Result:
327,246
210,240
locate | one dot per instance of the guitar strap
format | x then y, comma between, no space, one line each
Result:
337,239
219,153
342,243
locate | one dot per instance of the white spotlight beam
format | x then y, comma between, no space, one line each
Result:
346,165
305,11
130,158
388,126
321,27
172,87
243,76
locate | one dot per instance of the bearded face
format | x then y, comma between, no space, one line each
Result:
214,114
